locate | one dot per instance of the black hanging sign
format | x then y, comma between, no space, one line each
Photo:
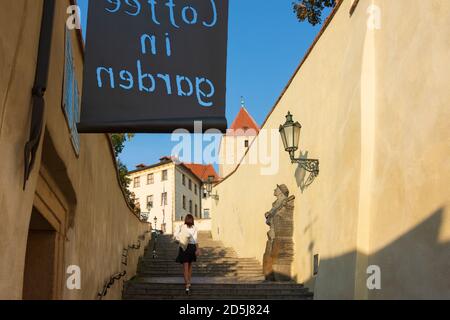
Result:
153,66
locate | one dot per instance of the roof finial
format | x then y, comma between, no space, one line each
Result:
242,102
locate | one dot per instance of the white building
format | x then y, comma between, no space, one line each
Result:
169,191
236,141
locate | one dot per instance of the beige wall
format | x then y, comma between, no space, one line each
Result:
96,223
374,110
232,149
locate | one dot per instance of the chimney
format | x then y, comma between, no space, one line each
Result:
141,166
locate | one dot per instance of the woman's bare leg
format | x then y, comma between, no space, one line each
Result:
190,274
187,281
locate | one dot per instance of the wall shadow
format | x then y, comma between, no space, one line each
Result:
415,266
301,175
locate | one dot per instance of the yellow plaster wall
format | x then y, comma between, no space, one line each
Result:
374,108
100,224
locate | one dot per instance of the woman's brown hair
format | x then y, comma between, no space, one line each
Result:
189,221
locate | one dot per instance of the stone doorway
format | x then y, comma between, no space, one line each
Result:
44,259
39,277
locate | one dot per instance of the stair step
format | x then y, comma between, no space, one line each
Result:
218,274
173,265
202,274
193,296
229,292
264,285
202,258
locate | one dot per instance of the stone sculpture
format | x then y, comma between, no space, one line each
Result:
279,253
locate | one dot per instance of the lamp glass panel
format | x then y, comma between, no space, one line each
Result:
289,132
296,135
283,137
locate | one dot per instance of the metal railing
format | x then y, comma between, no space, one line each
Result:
155,244
110,283
118,276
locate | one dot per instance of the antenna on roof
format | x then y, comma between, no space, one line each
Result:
242,102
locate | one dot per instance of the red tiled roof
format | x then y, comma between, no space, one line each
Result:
202,171
244,121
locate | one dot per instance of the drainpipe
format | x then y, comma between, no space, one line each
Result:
39,88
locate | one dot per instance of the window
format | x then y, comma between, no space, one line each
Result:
184,202
71,94
196,191
206,214
184,180
246,143
150,202
151,178
190,206
196,211
137,182
164,199
164,175
190,184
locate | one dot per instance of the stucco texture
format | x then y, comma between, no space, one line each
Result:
373,103
96,222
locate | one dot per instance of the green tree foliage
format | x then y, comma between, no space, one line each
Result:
311,10
118,141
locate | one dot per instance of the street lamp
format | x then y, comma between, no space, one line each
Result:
209,187
155,220
290,134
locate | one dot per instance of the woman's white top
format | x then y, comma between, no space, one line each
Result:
191,232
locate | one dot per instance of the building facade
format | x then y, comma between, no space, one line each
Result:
62,209
235,143
168,191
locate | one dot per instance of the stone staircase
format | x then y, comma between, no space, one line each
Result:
219,274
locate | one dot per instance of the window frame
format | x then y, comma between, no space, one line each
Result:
152,201
151,180
164,199
164,175
71,101
138,184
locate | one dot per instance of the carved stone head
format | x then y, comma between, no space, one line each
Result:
281,190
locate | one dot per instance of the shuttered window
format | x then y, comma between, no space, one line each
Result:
71,94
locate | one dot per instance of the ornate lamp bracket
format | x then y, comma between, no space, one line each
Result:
310,165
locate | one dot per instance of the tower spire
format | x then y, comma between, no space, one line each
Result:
242,102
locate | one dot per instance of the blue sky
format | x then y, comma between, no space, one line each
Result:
266,44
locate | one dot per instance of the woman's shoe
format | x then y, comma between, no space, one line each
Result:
188,289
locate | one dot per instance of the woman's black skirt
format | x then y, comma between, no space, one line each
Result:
187,256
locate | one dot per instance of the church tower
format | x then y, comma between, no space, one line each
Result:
236,141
